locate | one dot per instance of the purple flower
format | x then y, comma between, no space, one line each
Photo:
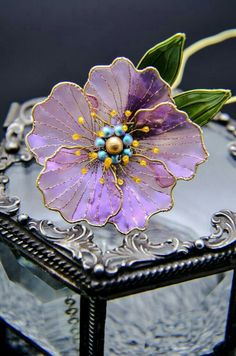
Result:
112,151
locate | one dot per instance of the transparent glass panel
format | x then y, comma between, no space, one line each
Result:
187,319
37,305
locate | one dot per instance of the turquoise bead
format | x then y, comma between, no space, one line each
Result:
118,130
107,130
115,159
127,139
99,142
127,152
102,155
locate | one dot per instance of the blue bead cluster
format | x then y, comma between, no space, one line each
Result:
118,131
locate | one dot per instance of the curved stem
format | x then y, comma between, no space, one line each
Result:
201,44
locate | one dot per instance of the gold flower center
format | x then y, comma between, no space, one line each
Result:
114,145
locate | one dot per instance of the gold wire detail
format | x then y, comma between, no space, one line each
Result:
93,114
78,153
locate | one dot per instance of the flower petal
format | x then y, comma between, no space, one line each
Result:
179,140
122,87
75,195
56,120
142,200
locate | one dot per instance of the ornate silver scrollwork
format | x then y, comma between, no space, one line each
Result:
78,240
224,223
136,249
12,148
8,205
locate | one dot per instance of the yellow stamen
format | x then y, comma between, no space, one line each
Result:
125,128
75,137
100,134
84,170
102,180
143,163
135,143
137,179
93,155
113,113
77,153
125,159
107,162
155,150
93,114
128,113
81,120
120,181
145,129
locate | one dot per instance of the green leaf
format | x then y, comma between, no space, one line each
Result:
202,105
166,57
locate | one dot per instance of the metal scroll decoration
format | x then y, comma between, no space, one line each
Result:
13,148
77,241
136,249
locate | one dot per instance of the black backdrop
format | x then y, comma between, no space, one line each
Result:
43,42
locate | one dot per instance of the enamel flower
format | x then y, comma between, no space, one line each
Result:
112,152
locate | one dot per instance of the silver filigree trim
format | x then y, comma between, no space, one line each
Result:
136,249
13,148
78,240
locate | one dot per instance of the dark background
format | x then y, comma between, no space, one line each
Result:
43,42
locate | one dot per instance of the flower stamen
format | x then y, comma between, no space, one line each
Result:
125,160
107,162
78,153
84,170
76,137
137,179
81,120
93,155
102,180
124,128
143,163
128,113
113,113
155,150
120,181
135,143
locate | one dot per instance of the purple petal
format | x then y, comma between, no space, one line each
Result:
75,195
121,87
177,137
141,200
56,120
